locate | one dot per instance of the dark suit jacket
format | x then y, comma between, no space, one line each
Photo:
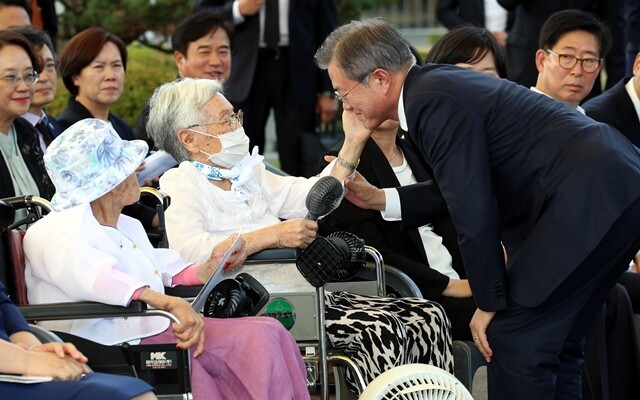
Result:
548,183
402,249
531,15
614,107
76,112
453,13
29,145
310,22
54,126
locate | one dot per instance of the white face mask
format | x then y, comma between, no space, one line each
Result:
235,146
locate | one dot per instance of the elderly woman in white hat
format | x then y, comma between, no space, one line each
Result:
87,250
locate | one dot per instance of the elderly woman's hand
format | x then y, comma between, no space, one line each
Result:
353,128
190,331
207,269
295,232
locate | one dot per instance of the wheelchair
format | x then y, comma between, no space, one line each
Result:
162,366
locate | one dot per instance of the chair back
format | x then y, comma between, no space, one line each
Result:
16,254
12,261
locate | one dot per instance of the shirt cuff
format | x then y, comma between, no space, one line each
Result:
237,17
393,211
187,277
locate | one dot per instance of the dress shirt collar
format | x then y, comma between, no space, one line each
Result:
535,89
631,90
35,119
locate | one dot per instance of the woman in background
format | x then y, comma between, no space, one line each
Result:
21,168
93,66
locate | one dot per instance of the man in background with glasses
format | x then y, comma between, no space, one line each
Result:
45,88
572,46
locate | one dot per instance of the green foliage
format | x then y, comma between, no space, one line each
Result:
126,18
349,10
146,69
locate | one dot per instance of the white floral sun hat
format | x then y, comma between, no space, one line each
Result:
88,160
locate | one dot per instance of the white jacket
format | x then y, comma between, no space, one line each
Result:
71,257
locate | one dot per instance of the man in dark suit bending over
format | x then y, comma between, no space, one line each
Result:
558,190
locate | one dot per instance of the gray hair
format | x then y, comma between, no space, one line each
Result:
175,106
362,46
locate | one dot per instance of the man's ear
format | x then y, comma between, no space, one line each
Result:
636,65
541,56
381,77
179,58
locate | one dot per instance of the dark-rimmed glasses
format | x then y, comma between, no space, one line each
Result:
232,119
568,61
13,80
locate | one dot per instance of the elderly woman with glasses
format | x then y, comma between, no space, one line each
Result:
220,188
86,250
21,169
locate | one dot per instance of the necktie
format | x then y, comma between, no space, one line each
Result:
46,134
271,24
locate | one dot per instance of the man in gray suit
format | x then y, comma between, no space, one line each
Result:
560,192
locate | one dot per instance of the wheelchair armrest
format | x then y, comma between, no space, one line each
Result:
185,292
80,310
274,255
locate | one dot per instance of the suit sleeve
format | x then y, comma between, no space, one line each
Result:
457,150
447,12
421,203
511,4
12,321
224,7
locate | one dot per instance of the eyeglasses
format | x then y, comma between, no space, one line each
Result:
233,119
341,98
51,67
568,61
13,80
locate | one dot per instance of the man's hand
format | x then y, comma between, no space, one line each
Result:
479,324
327,107
362,193
250,7
501,37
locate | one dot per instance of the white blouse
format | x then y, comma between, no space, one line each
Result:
202,215
71,257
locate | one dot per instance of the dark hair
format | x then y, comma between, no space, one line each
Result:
196,26
37,37
468,44
10,38
17,3
82,49
574,20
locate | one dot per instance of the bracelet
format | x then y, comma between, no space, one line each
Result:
346,164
